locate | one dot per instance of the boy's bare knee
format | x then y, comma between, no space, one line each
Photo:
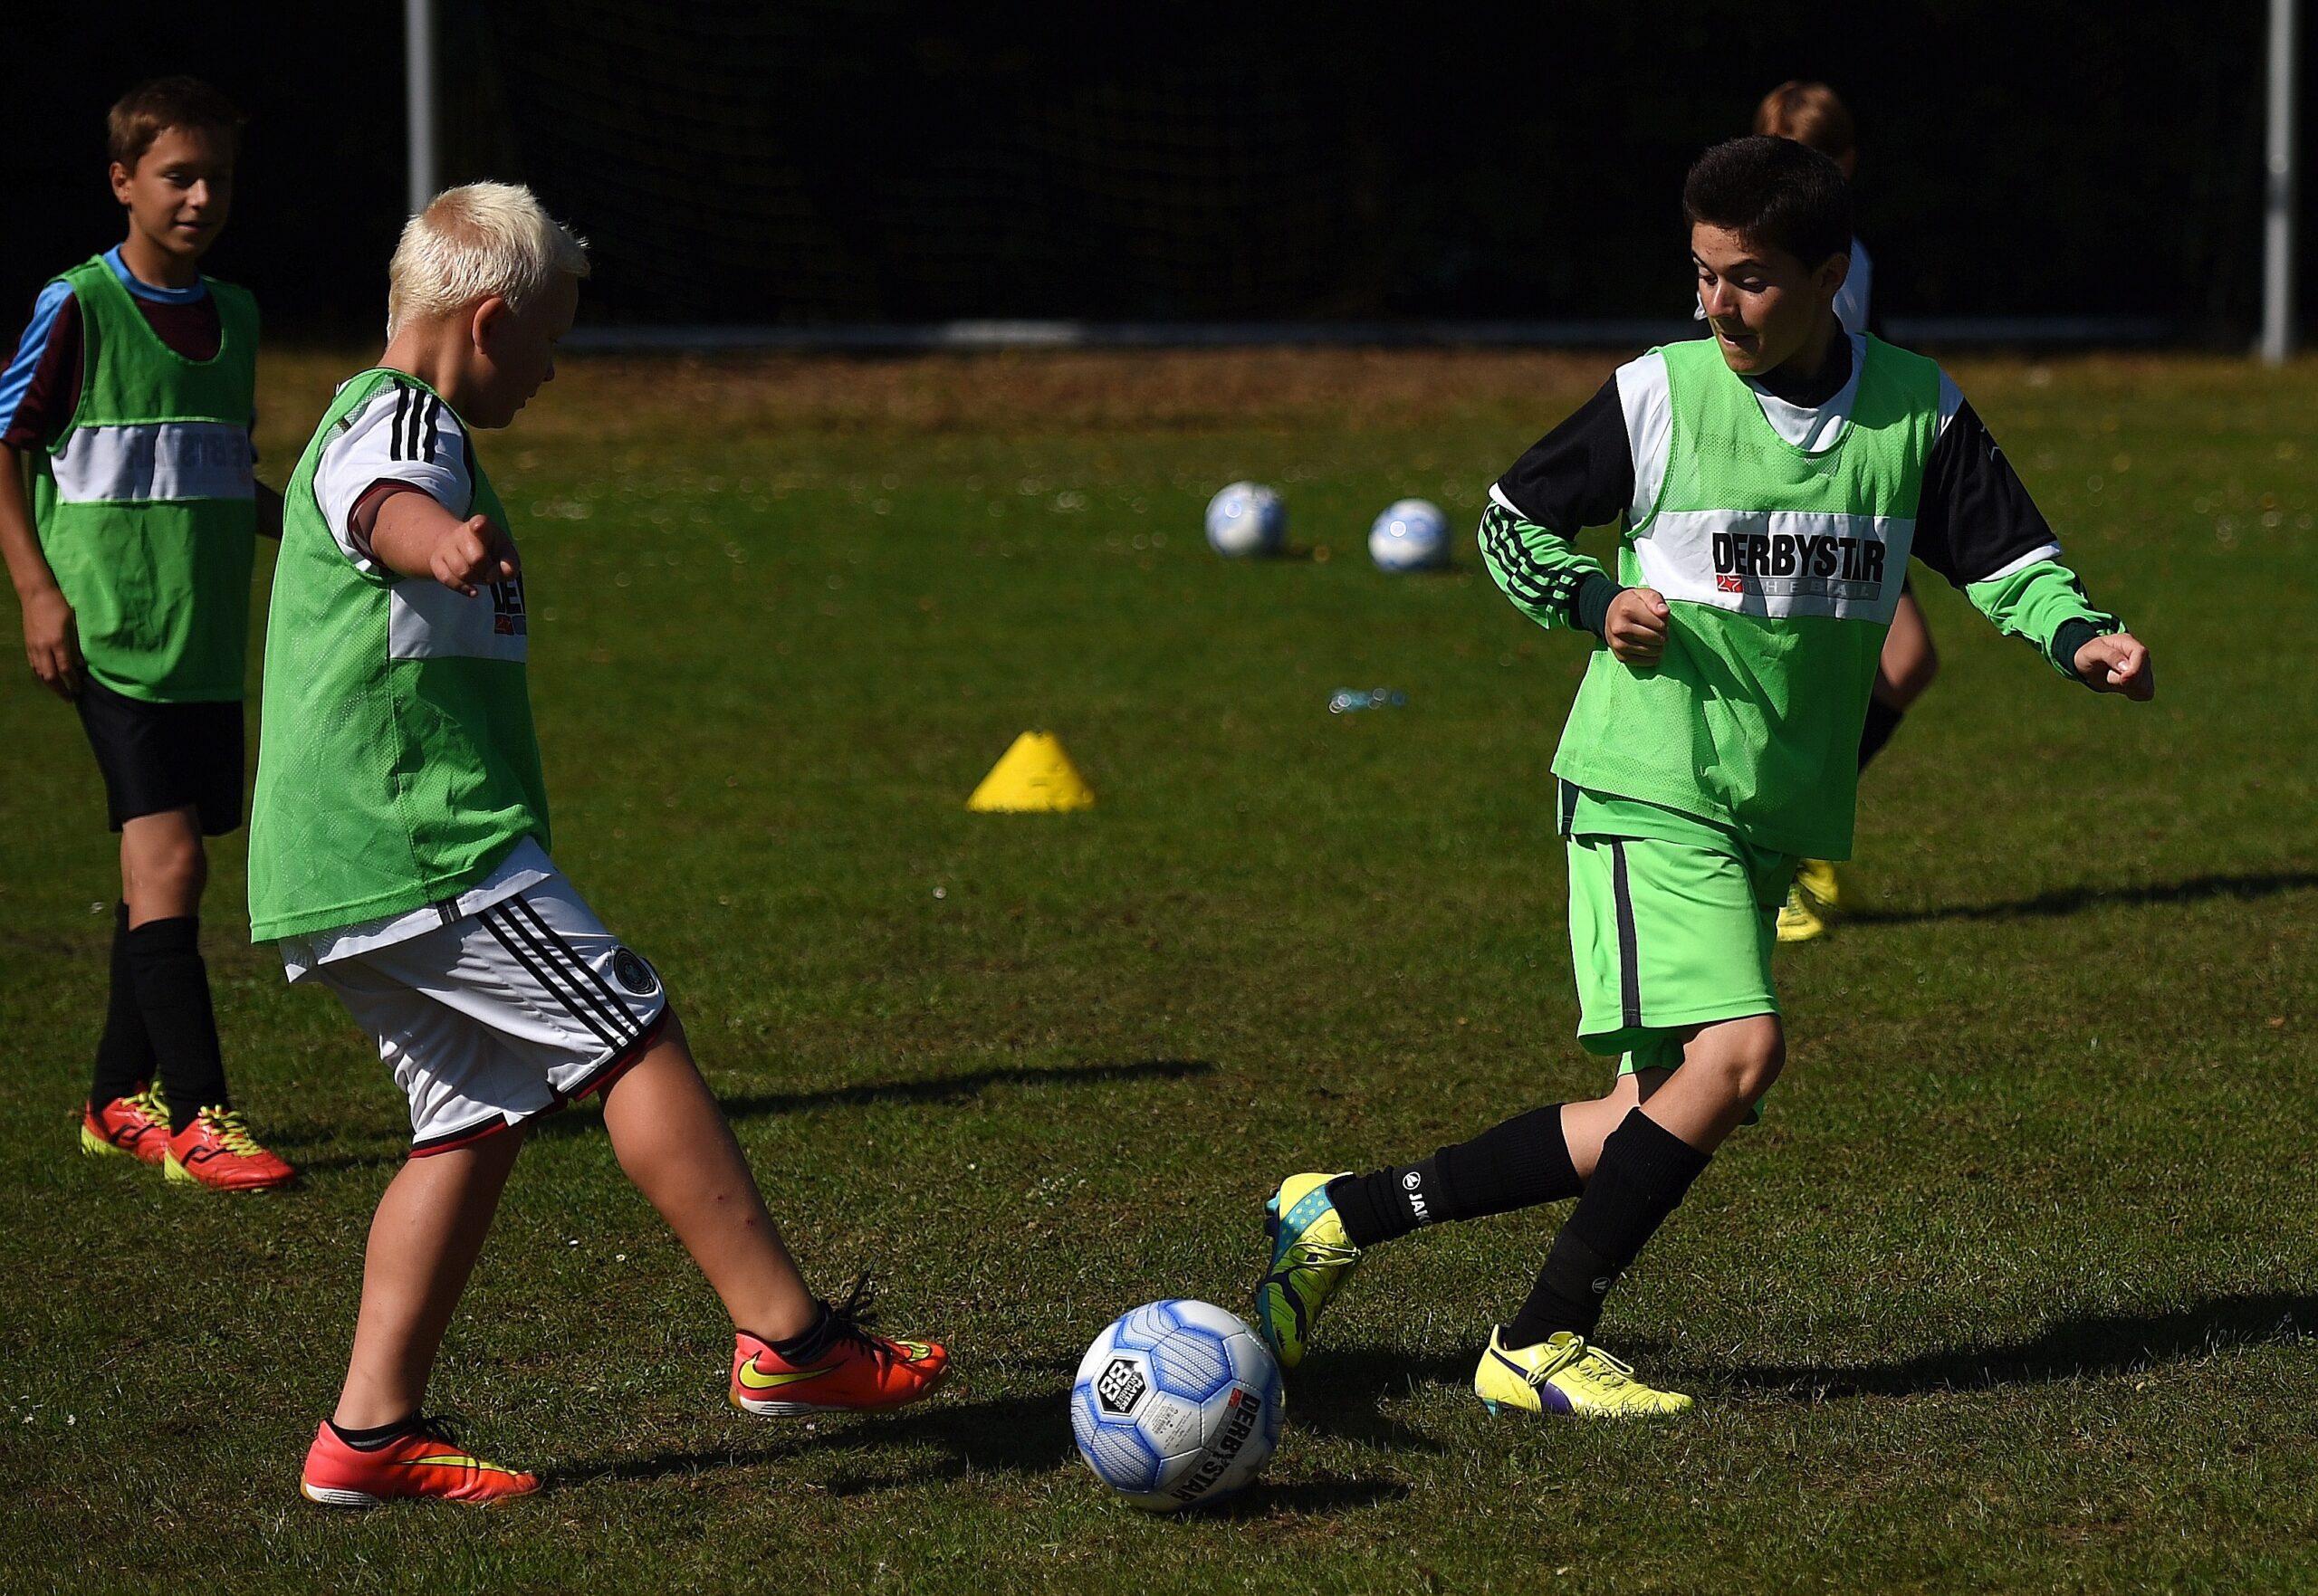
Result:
163,861
1758,1065
1748,1062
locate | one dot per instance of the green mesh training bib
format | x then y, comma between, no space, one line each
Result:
396,763
146,504
1782,568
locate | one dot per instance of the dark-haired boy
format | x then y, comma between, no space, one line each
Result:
131,397
1770,485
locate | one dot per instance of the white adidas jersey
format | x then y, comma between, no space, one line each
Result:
404,433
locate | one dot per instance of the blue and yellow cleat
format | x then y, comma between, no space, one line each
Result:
1566,1374
1310,1256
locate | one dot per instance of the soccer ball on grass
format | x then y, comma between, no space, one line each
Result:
1411,535
1246,519
1177,1403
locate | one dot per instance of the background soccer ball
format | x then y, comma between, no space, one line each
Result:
1246,517
1411,535
1176,1403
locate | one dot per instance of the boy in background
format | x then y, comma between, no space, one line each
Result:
130,540
398,853
1769,483
1815,116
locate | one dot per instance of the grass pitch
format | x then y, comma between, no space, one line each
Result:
2014,1289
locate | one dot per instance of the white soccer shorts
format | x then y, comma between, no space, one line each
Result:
512,1011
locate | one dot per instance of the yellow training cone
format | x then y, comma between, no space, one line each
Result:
1034,775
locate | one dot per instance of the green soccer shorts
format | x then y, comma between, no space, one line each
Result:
1668,934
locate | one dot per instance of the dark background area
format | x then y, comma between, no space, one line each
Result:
827,162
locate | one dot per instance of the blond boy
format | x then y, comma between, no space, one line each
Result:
399,855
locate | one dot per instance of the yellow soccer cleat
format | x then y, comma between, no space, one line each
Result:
1310,1256
1565,1374
1799,920
1819,882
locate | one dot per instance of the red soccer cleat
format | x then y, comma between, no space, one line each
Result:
135,1127
218,1152
855,1372
428,1461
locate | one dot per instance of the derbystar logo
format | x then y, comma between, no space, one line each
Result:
1236,1428
507,608
1120,1387
1813,563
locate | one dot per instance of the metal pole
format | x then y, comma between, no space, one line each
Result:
2277,234
418,97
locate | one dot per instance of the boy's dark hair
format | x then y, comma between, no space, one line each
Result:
152,108
1775,194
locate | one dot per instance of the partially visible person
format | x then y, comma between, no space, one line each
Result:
129,523
1814,115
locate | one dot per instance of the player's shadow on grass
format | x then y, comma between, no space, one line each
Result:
1341,1392
960,1088
923,1089
997,1435
2075,899
2090,1345
1298,1498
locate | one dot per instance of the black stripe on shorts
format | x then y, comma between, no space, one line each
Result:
557,983
1628,952
587,988
612,1001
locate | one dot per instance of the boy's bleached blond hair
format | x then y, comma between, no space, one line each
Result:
475,242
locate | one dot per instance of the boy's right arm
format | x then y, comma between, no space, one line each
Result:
413,536
38,394
386,490
1580,474
51,640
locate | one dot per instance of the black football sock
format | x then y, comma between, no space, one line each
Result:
1882,719
1644,1172
173,993
1518,1164
124,1052
370,1441
807,1344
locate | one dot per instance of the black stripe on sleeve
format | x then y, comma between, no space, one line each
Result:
394,433
1525,581
433,418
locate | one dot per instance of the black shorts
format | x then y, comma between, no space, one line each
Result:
158,757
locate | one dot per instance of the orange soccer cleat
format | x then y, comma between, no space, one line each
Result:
218,1152
850,1371
425,1461
135,1127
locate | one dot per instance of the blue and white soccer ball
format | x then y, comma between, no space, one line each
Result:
1175,1404
1245,519
1411,535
